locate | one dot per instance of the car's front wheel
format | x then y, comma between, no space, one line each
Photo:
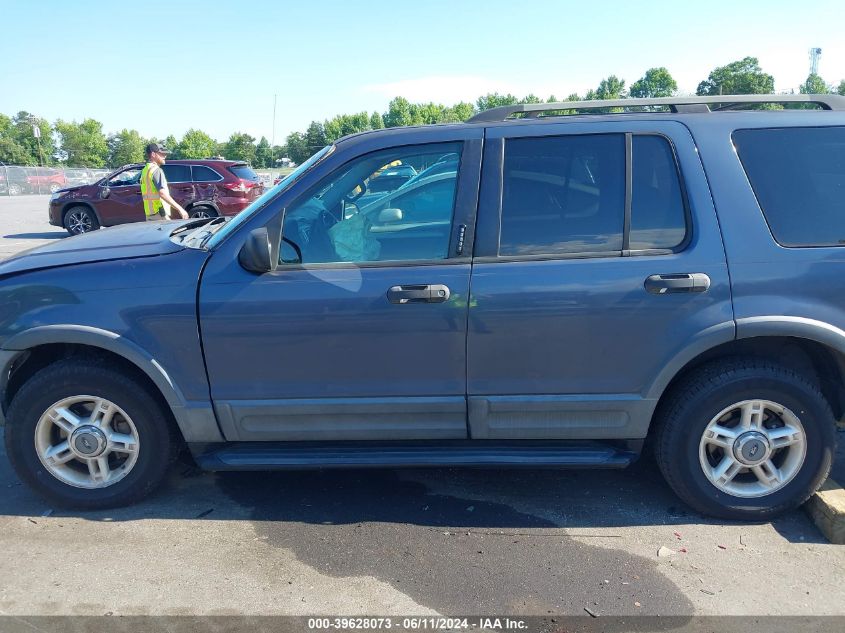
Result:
85,435
745,439
15,189
80,219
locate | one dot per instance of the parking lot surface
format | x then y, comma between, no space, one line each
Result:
440,541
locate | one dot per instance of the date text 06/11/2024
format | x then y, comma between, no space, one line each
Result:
421,623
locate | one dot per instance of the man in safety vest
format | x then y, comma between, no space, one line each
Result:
158,203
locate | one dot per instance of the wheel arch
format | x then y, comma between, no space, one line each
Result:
805,345
45,344
80,203
204,203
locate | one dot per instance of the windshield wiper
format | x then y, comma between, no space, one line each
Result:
199,222
201,230
213,231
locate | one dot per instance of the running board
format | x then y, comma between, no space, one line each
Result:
282,456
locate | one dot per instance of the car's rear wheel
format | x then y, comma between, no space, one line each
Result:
54,187
15,189
84,435
80,219
745,439
203,211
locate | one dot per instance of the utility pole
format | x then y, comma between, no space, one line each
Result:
36,132
815,53
273,136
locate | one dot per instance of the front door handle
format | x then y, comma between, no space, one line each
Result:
680,282
424,293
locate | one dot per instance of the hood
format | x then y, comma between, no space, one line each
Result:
71,189
140,239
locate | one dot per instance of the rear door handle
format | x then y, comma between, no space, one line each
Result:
425,293
674,283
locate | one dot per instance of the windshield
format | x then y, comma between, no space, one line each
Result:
230,226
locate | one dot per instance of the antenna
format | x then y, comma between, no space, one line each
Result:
815,53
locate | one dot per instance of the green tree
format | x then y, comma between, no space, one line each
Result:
25,145
611,88
398,113
11,152
743,77
127,146
657,82
315,138
170,143
458,113
297,148
815,85
841,89
333,129
196,144
240,146
376,121
84,143
263,154
494,100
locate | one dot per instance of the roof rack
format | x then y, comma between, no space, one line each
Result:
674,104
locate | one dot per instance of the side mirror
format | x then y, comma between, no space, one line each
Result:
390,215
104,192
256,253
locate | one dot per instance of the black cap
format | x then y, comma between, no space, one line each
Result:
155,147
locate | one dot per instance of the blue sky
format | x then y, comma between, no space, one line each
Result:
163,67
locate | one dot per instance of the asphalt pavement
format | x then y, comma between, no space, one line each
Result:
440,541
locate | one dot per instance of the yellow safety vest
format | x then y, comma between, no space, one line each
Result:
151,196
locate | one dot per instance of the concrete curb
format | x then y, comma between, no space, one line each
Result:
827,510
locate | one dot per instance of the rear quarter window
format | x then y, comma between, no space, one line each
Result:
798,176
244,172
202,173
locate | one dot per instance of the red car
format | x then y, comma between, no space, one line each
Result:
205,188
44,179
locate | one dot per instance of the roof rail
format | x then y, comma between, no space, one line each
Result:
692,104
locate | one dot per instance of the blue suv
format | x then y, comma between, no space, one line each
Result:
557,286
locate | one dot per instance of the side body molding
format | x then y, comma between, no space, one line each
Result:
196,420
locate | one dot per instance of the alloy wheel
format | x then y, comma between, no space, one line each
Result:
752,448
87,442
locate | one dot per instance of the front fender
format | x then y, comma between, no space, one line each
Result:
196,420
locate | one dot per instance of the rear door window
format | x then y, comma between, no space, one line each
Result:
177,173
563,194
798,176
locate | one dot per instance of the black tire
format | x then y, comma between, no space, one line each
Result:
699,397
76,377
80,219
202,211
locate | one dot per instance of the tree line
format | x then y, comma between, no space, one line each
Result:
85,144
